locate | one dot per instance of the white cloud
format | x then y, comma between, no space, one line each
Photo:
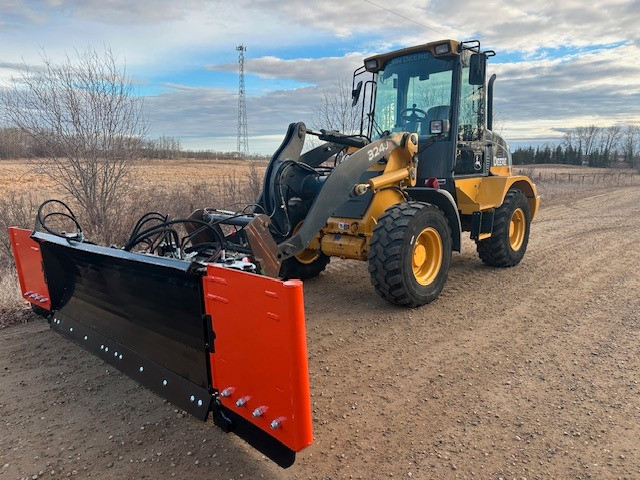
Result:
540,99
208,116
157,37
506,24
307,70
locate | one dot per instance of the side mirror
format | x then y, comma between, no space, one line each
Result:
477,69
439,127
355,94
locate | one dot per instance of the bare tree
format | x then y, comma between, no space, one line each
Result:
14,143
569,140
335,111
609,138
499,120
87,123
631,145
586,137
163,147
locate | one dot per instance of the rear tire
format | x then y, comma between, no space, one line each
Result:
410,254
510,235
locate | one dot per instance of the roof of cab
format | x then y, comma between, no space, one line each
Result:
454,47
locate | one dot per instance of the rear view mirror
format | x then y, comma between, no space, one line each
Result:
355,94
477,69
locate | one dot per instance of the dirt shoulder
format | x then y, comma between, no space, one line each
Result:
529,372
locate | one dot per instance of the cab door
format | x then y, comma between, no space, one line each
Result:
472,151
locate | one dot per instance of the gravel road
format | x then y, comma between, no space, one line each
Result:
530,372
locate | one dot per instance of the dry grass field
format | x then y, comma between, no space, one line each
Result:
175,187
179,186
19,176
530,372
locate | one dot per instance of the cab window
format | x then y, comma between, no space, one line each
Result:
471,118
413,90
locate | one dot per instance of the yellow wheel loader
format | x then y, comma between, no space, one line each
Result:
208,310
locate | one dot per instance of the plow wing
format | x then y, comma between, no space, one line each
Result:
209,339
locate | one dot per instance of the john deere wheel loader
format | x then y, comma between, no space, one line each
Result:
208,310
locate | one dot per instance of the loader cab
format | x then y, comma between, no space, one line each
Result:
438,91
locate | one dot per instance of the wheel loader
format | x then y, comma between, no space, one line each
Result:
207,310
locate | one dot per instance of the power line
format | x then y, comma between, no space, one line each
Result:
406,18
529,69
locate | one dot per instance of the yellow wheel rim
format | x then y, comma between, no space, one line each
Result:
427,256
517,227
308,255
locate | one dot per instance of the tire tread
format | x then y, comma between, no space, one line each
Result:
385,252
493,251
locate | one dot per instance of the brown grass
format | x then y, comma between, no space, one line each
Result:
13,309
177,187
561,180
173,187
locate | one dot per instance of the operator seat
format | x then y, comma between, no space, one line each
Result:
440,112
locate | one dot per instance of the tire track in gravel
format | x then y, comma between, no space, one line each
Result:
552,274
527,372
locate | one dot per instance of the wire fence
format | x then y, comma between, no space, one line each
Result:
606,179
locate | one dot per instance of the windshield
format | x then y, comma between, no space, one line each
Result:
411,91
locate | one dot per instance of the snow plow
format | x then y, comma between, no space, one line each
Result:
208,310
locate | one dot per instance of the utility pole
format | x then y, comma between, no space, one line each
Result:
243,141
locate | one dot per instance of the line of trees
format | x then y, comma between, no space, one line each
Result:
15,143
589,145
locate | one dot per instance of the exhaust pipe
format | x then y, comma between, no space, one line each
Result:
490,102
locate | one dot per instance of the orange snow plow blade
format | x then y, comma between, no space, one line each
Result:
208,338
260,369
28,260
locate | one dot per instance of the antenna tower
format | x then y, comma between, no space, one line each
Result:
243,141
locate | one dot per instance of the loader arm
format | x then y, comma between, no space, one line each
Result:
339,187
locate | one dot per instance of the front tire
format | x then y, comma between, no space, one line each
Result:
306,264
410,254
303,266
510,234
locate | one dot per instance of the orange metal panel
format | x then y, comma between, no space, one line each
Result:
28,258
260,362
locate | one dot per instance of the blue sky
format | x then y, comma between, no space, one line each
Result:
558,64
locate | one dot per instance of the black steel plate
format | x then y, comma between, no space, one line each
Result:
178,390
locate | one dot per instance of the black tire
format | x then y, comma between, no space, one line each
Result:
294,268
391,253
497,250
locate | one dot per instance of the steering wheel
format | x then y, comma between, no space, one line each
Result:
416,115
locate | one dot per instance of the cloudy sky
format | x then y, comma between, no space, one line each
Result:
559,64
